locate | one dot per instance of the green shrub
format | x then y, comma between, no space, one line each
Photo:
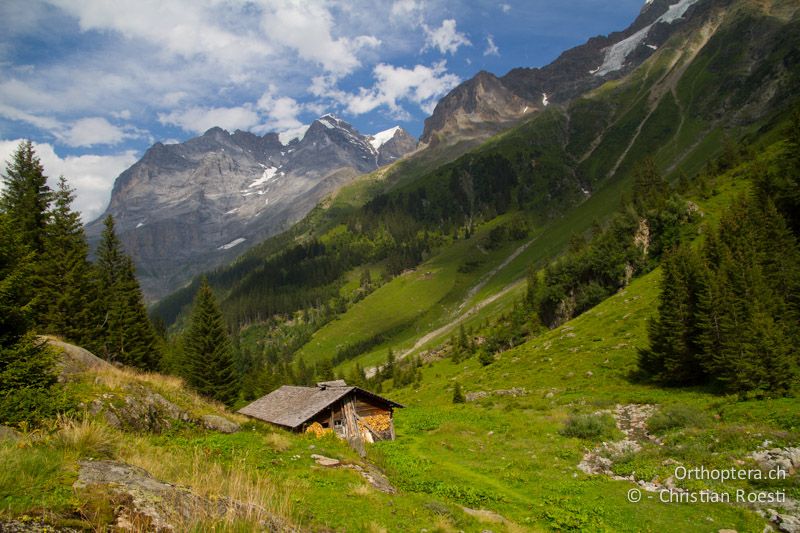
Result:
589,426
676,416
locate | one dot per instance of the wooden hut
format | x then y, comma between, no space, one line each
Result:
352,413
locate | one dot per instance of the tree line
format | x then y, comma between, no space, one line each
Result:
49,286
729,309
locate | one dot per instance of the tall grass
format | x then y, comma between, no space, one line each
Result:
251,500
87,438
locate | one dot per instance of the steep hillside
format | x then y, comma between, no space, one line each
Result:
550,178
478,106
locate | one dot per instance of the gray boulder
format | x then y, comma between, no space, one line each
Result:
218,423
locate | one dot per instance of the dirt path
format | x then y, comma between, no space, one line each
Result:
489,275
447,327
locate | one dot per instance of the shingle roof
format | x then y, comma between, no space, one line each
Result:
290,406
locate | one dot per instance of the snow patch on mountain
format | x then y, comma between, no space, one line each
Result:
616,54
234,242
381,138
269,173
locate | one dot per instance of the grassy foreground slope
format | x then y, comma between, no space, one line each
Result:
506,453
261,474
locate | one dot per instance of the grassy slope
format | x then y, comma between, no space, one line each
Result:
259,465
506,454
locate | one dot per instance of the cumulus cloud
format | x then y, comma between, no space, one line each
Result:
446,38
200,119
282,111
505,7
92,131
91,175
491,48
306,27
186,28
421,85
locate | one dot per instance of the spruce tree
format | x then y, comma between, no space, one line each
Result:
207,348
68,288
675,352
26,364
26,196
126,334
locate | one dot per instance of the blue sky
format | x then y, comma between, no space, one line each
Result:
95,82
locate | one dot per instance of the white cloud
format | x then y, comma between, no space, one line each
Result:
45,123
91,175
491,48
281,111
306,27
402,9
200,119
505,7
421,85
83,132
446,38
92,131
186,28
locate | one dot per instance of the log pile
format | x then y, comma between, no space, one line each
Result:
317,429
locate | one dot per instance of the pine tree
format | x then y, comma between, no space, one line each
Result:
26,196
208,351
126,334
68,289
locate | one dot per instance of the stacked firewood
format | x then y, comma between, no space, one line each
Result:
317,429
376,423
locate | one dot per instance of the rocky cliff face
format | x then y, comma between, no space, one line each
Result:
482,105
184,208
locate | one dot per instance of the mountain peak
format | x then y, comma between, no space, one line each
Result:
379,139
214,131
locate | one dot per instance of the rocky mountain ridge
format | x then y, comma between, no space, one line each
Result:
486,104
188,207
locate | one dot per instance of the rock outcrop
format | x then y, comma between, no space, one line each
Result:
143,503
486,103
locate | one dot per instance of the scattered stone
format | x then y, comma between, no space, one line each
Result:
727,531
484,515
325,461
784,522
374,477
20,526
477,395
218,423
7,433
589,374
784,459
